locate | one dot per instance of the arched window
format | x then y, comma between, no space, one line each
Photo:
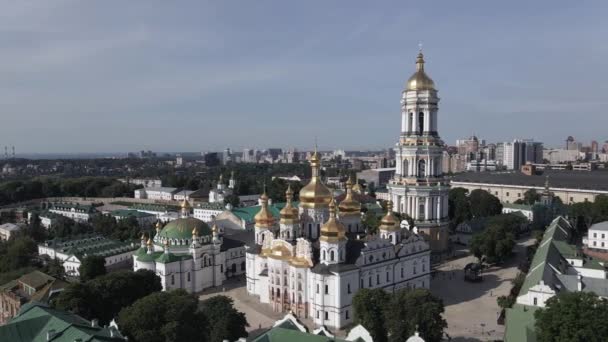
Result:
420,123
324,256
410,122
243,266
421,168
405,170
390,237
331,255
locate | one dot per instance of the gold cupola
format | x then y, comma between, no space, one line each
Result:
419,80
389,222
315,194
349,206
186,207
333,230
264,219
289,214
357,188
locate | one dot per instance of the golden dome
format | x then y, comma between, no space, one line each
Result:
159,226
349,206
315,194
420,80
289,214
280,252
333,230
357,188
264,219
150,243
389,221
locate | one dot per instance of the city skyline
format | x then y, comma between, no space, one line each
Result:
111,77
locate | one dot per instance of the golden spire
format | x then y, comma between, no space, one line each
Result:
289,214
264,219
143,236
185,204
357,188
315,194
194,233
333,230
214,229
150,243
420,80
389,221
159,226
350,206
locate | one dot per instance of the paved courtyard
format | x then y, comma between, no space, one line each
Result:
259,316
470,308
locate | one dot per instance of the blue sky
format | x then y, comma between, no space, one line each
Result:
101,76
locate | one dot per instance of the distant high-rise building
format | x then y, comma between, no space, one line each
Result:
227,156
275,153
572,144
521,152
595,146
212,159
468,147
248,156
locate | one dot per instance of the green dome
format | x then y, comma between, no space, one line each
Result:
182,229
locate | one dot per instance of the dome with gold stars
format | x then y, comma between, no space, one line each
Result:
315,194
420,80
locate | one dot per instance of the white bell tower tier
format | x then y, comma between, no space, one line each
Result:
419,188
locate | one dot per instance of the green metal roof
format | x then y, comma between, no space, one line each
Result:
248,213
182,228
166,258
35,320
91,245
519,324
125,213
280,334
149,257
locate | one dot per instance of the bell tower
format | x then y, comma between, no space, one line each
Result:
419,188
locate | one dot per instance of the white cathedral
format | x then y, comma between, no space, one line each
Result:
318,256
187,254
419,188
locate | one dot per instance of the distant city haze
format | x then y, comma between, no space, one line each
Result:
112,76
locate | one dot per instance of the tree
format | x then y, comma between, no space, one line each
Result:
531,197
104,296
414,309
165,316
495,243
484,204
369,306
228,323
17,253
232,200
459,206
371,222
92,267
573,316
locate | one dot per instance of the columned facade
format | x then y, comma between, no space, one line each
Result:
418,188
